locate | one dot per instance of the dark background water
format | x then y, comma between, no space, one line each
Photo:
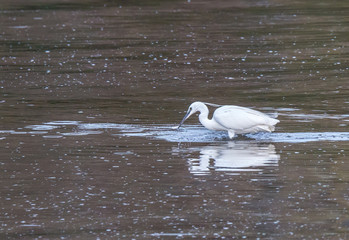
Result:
91,89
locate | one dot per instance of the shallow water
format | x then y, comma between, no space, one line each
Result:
92,91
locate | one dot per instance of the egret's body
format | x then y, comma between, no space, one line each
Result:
234,119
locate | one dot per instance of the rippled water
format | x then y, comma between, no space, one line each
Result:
91,91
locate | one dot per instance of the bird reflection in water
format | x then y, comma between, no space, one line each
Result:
234,157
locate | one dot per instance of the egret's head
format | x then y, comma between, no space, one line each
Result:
193,108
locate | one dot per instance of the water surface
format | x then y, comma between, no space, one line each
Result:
91,91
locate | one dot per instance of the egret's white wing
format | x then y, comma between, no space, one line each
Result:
241,119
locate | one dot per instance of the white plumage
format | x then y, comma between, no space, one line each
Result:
234,119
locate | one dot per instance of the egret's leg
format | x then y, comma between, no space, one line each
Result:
231,134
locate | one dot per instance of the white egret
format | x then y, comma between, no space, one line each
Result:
234,119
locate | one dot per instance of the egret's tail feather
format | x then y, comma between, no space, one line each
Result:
274,121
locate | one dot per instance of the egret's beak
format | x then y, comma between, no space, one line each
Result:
187,115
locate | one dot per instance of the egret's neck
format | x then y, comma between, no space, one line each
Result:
208,123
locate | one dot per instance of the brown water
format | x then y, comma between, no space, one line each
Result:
92,89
